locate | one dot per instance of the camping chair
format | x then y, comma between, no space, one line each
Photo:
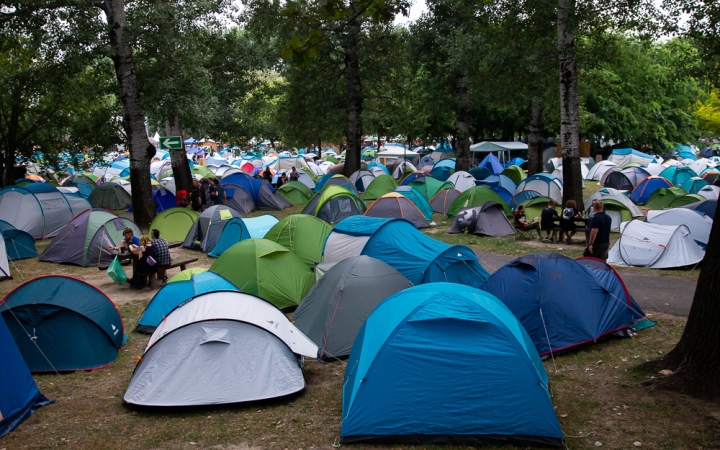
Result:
522,233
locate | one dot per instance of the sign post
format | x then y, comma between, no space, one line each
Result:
171,143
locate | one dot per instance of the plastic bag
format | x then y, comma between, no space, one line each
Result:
116,272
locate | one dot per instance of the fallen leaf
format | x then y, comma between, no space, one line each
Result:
637,444
598,444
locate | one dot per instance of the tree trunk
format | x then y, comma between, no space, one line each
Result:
178,158
141,151
695,360
535,136
320,147
569,109
353,83
462,126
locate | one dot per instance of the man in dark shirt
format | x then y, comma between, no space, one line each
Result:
600,226
218,193
546,219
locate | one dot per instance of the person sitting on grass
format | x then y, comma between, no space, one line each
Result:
522,224
547,219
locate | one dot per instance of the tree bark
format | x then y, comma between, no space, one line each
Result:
141,151
351,49
695,360
535,136
178,158
462,125
569,109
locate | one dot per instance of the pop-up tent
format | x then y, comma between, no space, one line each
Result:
333,311
269,271
462,181
598,170
677,175
699,225
179,289
623,156
446,363
361,179
515,173
295,192
174,223
74,325
18,243
418,200
542,290
220,347
707,207
84,240
617,206
19,396
654,246
488,219
429,186
304,235
238,198
206,230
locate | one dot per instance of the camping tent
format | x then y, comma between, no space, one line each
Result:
38,209
662,197
295,192
488,219
623,156
442,201
479,195
704,207
446,363
333,311
654,246
418,200
4,262
599,169
380,185
259,226
544,184
617,206
233,231
361,179
535,205
220,347
238,198
516,199
206,230
693,185
429,186
333,204
710,192
644,190
441,170
20,396
110,196
270,271
698,225
492,163
541,289
74,325
462,181
678,175
515,173
18,243
686,200
179,289
395,204
304,235
84,240
174,223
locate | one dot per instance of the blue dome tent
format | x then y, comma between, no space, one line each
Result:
521,197
541,289
677,175
446,363
492,163
19,396
18,244
179,289
443,169
233,232
417,199
73,325
642,191
480,173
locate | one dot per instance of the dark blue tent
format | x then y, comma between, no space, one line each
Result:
84,189
445,363
19,396
179,289
245,181
263,193
706,207
422,259
18,244
233,232
480,173
163,200
73,325
562,302
646,187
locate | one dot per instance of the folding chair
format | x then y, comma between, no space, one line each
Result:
525,234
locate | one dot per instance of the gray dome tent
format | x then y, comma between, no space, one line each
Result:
208,227
110,196
239,199
488,219
333,311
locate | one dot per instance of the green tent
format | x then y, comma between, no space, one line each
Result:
663,197
515,173
329,158
334,203
186,275
479,195
174,223
269,271
310,173
378,187
303,234
295,192
686,200
202,171
430,186
534,206
613,205
111,196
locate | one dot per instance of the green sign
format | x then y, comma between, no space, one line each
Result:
171,143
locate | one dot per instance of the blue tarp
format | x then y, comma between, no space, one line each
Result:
418,373
19,396
577,305
175,293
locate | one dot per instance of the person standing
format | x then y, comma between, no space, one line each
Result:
197,196
217,193
600,226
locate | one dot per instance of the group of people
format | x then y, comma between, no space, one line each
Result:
293,175
202,195
597,228
152,256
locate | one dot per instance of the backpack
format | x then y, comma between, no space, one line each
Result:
568,213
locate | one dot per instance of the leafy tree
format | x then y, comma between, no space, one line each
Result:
708,113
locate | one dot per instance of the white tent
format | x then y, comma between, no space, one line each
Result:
599,169
670,163
502,148
169,184
710,192
4,265
699,225
654,246
462,180
583,170
654,169
699,165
